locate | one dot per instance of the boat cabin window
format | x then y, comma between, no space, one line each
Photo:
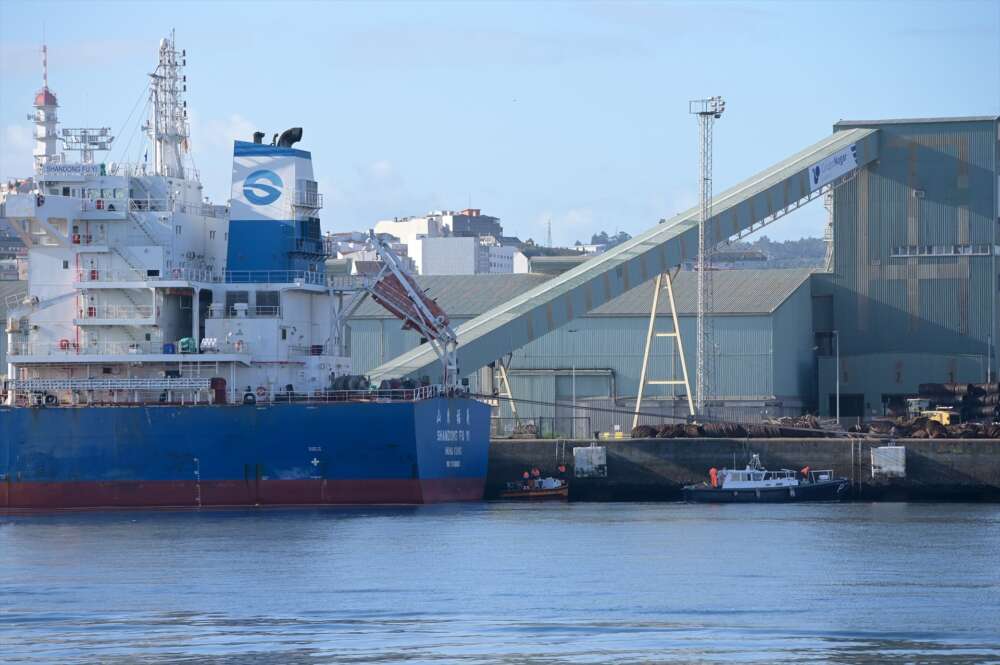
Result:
65,191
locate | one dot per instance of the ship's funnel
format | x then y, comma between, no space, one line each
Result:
290,137
273,225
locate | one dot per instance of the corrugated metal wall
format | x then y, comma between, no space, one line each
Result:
935,183
606,352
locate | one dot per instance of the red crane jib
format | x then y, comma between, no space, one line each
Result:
392,295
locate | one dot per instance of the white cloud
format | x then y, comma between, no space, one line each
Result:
382,170
210,135
212,146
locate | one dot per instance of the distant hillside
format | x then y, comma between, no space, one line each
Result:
803,253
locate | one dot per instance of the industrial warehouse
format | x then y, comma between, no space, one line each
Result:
909,298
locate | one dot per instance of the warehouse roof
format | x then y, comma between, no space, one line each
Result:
735,292
914,121
463,296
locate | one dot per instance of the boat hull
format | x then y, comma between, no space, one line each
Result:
429,451
831,490
552,494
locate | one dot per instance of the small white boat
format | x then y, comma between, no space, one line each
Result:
755,484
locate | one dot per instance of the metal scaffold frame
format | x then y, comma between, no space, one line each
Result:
651,334
504,390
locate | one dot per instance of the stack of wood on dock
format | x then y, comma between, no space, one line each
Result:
802,427
973,401
927,428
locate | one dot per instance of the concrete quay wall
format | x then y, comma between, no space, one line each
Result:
656,469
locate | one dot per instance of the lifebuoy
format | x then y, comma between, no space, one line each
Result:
64,344
261,392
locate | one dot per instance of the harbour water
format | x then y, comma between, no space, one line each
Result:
552,583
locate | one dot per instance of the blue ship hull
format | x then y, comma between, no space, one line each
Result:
284,454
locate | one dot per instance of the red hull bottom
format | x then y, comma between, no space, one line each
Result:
190,494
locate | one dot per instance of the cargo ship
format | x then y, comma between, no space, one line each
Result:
171,352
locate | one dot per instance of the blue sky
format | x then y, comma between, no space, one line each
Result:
574,112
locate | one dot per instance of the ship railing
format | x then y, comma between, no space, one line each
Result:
98,275
116,312
15,299
417,394
275,277
104,205
304,198
257,312
166,383
150,205
153,275
312,350
207,276
66,347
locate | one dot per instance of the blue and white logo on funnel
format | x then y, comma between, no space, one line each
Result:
257,190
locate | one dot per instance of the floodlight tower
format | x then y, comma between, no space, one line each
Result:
708,111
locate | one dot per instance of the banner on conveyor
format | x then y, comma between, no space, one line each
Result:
834,166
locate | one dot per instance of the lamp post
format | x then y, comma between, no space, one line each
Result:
836,339
573,374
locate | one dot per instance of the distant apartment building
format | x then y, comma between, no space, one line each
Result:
409,229
466,256
445,242
471,222
467,223
446,256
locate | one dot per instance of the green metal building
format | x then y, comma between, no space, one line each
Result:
765,361
913,293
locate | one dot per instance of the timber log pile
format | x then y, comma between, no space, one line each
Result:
973,401
807,427
927,428
803,427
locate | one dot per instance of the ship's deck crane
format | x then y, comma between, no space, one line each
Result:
394,288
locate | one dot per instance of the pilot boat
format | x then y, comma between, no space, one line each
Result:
755,484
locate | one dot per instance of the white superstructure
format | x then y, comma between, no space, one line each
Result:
130,287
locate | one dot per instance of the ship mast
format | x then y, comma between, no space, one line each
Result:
167,127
